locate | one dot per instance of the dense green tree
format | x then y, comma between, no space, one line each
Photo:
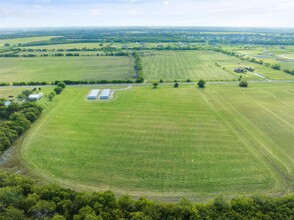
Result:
42,209
13,107
276,66
20,120
243,83
51,96
201,83
12,213
58,90
61,84
176,85
155,84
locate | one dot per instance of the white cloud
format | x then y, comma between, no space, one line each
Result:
95,12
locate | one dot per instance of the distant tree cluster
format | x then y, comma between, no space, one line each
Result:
21,198
289,71
4,84
29,83
276,66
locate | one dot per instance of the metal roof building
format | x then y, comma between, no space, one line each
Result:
34,97
105,94
93,94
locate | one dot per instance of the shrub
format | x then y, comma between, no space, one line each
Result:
243,83
276,66
201,83
176,85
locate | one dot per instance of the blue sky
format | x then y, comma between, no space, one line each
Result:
56,13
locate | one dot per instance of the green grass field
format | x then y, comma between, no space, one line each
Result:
168,142
24,40
183,65
65,68
284,57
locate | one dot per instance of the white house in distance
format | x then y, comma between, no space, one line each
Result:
105,94
93,94
35,97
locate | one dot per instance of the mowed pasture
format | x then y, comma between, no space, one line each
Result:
168,142
183,65
194,65
49,69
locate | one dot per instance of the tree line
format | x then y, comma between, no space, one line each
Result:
138,68
19,117
74,82
21,198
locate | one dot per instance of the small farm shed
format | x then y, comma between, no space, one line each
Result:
93,94
35,97
105,94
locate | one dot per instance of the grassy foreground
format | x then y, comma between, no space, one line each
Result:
168,142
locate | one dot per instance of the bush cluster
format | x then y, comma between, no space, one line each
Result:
29,83
59,88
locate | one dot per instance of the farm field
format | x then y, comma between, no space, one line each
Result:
65,68
194,65
272,55
168,142
68,46
17,41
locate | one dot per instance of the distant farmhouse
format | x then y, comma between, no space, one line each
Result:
35,97
244,69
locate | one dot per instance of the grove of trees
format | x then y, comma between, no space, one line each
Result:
20,198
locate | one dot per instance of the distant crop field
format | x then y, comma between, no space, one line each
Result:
183,65
69,46
271,54
194,65
24,40
65,68
168,142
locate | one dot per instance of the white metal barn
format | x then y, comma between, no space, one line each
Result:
35,97
105,94
93,94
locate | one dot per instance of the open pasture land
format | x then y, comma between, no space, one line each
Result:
168,142
49,69
194,65
11,91
183,65
272,54
16,41
69,46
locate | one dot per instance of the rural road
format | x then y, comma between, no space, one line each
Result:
167,83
